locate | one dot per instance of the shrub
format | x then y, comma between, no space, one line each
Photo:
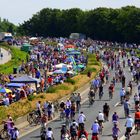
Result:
31,97
51,90
70,81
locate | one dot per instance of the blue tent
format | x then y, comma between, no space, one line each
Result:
15,85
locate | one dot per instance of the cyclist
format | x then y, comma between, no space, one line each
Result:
82,132
81,120
73,131
115,131
100,91
44,120
73,109
136,99
38,106
78,101
129,125
126,107
95,130
91,96
111,90
62,105
49,134
100,119
67,115
106,109
115,118
122,95
137,118
68,103
64,132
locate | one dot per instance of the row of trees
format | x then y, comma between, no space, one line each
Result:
6,26
121,25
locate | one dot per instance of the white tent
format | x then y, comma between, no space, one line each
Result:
59,66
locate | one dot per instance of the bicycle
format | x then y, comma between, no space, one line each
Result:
4,133
101,127
128,133
33,117
100,95
137,127
110,95
67,121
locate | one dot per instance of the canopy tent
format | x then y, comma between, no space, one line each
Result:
59,72
26,79
74,53
26,47
61,65
33,38
15,85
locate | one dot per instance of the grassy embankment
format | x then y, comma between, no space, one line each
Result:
17,57
24,106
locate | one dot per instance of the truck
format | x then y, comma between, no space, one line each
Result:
4,36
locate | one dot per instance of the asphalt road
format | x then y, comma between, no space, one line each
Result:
92,112
6,56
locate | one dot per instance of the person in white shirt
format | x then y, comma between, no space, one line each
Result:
100,117
49,134
95,128
68,103
81,119
122,94
38,106
129,124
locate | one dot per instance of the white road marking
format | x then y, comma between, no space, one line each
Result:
116,104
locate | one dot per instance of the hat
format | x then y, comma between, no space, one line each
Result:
96,121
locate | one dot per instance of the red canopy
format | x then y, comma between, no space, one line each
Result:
69,46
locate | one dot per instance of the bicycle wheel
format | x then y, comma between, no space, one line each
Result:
29,119
4,134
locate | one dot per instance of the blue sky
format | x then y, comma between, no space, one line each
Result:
18,11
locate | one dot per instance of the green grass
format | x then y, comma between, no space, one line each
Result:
17,57
91,61
70,81
62,87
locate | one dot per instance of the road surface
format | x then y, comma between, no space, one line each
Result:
92,112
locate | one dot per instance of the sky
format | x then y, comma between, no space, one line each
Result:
18,11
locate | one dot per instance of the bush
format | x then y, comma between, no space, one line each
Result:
51,90
31,97
70,81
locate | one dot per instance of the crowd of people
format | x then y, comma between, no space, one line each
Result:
74,128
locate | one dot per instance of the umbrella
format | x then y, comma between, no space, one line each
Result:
5,90
61,65
59,72
69,46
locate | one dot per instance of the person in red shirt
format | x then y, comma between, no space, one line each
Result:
81,132
137,118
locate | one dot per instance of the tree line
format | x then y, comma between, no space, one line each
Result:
122,25
6,26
